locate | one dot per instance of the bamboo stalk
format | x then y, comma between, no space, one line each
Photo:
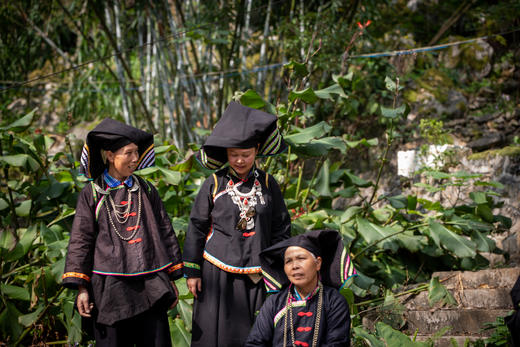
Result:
263,48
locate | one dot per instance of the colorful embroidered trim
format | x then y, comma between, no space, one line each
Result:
85,160
77,275
271,282
147,158
229,268
210,235
272,144
191,265
209,162
219,195
283,311
132,274
175,267
347,269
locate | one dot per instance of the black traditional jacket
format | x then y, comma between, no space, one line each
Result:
212,231
334,327
95,247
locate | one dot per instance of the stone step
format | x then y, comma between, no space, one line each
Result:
462,322
497,298
484,279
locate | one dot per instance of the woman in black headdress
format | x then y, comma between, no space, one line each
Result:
238,212
123,251
308,310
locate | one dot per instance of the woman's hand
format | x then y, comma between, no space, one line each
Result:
194,285
84,306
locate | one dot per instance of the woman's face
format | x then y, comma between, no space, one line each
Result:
301,267
241,160
123,162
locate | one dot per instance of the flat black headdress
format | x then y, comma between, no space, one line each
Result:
112,135
336,267
241,127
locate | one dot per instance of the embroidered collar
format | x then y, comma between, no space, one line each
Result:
295,296
233,174
113,182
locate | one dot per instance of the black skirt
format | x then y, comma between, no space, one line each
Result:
226,308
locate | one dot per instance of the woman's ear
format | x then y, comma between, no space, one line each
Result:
109,157
318,263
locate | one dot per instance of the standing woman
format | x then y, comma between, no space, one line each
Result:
238,212
123,251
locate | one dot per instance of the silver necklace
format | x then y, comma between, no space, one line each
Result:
246,202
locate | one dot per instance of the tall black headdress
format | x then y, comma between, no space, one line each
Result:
336,267
111,135
241,127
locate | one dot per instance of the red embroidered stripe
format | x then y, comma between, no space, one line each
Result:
77,275
308,314
132,228
174,268
131,214
301,343
248,234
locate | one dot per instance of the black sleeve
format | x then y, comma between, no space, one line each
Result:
515,294
338,322
80,254
262,332
167,233
281,222
198,229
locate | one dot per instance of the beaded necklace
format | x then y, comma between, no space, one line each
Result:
316,322
123,214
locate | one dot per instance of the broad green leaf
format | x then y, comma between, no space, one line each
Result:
393,112
413,243
438,175
252,99
3,204
438,293
165,149
147,171
15,292
493,184
20,124
320,147
348,192
30,318
24,209
457,244
306,135
65,213
171,177
469,223
349,213
484,211
412,202
9,321
329,91
358,181
185,311
307,95
323,180
299,70
391,85
484,243
180,336
394,337
478,197
343,79
20,160
369,143
370,339
373,233
398,201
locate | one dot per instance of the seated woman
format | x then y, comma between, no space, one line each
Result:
309,310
